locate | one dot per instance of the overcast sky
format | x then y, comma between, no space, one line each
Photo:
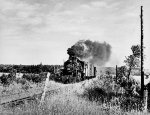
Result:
35,31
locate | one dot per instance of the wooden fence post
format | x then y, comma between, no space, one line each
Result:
45,88
145,100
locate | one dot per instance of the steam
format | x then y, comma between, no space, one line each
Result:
94,52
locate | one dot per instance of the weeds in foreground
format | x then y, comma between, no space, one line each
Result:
112,97
95,100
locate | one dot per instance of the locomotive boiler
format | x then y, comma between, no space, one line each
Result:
75,70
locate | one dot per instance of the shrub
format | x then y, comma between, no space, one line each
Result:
94,94
36,78
131,103
6,80
21,80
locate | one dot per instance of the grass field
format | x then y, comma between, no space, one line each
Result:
66,99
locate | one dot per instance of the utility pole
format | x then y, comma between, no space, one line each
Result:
142,60
116,73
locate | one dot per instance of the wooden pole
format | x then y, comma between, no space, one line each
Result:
45,88
142,72
116,73
145,100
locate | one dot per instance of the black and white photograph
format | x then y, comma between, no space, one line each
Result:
74,57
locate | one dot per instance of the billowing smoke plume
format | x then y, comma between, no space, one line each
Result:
94,52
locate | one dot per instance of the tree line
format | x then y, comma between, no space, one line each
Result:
29,68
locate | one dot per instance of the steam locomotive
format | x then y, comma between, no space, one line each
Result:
75,70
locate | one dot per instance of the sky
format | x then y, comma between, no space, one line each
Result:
35,31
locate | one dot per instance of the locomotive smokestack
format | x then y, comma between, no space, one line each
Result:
94,52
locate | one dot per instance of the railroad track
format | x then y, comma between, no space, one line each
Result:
22,97
30,94
19,97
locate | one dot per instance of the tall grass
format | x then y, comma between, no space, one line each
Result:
97,98
101,91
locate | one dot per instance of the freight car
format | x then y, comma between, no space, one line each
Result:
75,70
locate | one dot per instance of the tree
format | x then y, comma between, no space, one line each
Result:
124,72
133,60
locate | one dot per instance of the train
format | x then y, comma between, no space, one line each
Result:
75,70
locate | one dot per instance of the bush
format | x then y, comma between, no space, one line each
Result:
131,103
95,94
36,78
21,80
28,77
104,93
6,80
